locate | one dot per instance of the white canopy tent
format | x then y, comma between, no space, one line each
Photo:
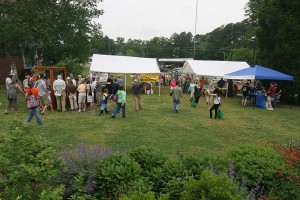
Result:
212,68
124,65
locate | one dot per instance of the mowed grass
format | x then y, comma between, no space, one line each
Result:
189,132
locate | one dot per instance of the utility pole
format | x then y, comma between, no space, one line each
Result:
195,29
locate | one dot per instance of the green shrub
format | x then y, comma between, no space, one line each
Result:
27,162
143,196
53,193
151,161
139,196
115,175
255,164
147,158
175,175
79,169
211,187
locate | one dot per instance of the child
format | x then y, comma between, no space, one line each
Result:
148,88
105,97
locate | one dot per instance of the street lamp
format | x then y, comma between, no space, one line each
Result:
253,56
225,54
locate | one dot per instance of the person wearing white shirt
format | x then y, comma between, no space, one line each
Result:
59,88
217,103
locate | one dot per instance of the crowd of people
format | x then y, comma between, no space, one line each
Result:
272,94
91,92
197,88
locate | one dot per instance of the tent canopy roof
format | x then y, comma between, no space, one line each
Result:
174,59
258,73
123,64
212,68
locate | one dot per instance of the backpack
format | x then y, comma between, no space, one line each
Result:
31,101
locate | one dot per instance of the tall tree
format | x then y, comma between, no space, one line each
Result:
55,29
182,45
158,47
278,35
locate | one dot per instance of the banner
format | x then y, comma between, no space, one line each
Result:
149,78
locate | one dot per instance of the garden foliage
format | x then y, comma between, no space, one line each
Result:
30,168
27,162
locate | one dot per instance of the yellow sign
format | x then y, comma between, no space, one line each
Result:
148,78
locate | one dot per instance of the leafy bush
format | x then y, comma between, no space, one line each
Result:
167,176
143,196
52,193
80,166
255,163
211,187
27,161
147,158
151,161
115,175
175,175
139,196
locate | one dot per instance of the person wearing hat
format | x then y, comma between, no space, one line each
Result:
217,102
136,89
59,88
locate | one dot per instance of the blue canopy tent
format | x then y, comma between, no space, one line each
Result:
258,73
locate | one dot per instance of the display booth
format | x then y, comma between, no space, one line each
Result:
50,74
146,68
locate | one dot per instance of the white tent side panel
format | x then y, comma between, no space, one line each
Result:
123,64
249,77
212,68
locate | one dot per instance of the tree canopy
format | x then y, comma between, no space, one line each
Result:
277,33
51,29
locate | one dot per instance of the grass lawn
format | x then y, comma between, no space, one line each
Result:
189,132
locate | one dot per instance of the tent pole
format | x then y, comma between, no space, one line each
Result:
158,87
226,89
125,83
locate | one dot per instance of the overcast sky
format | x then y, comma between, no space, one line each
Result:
145,19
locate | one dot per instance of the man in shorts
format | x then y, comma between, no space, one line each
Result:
271,95
208,98
81,89
245,90
40,84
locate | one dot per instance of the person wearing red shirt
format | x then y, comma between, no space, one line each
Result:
271,95
34,111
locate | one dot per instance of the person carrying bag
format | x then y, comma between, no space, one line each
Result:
32,102
217,103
